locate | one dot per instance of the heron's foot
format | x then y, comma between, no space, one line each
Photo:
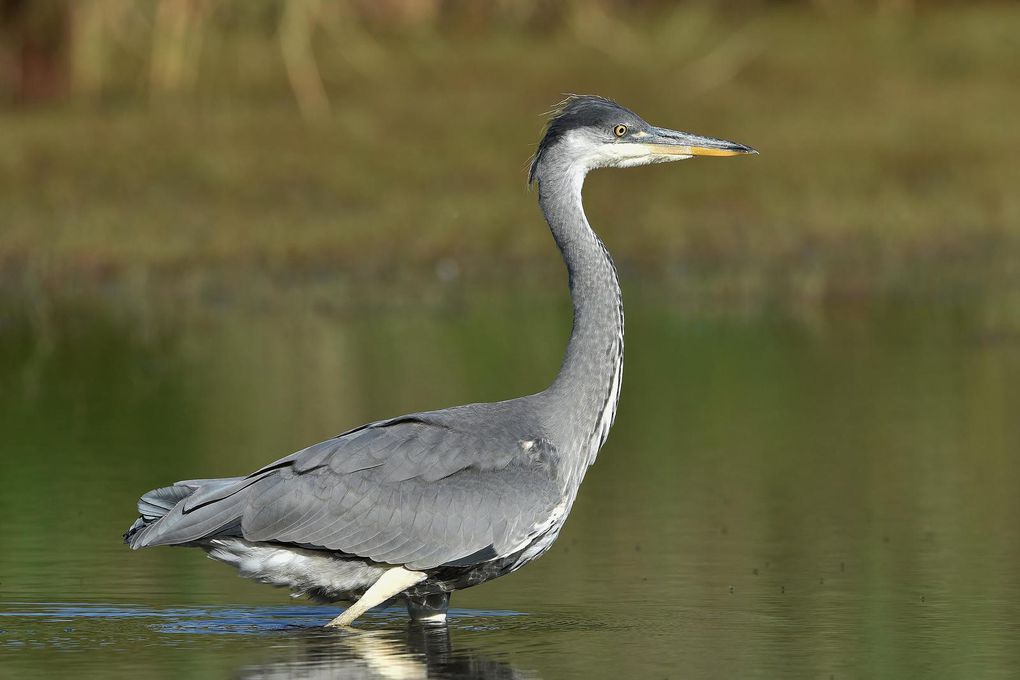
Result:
392,582
428,608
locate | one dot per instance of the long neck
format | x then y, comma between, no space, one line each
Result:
587,388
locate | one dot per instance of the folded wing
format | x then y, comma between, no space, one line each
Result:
421,491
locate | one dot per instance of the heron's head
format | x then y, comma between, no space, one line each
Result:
592,132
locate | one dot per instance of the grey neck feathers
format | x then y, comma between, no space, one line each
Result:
585,392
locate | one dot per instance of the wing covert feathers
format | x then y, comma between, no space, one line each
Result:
416,491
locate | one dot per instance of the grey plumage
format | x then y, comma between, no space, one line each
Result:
577,112
420,490
462,494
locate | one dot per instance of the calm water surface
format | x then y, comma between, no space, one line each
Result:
831,495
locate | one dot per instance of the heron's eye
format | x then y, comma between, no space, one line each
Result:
620,130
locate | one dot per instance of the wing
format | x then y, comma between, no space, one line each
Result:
421,490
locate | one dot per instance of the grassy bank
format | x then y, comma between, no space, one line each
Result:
886,157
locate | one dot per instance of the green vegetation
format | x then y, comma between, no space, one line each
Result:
886,160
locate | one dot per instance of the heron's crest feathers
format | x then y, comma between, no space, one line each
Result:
576,111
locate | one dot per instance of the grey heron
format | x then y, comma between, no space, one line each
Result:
424,504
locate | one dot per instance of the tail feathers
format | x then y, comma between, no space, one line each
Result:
155,505
158,502
138,525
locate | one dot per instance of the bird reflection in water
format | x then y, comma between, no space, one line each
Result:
417,651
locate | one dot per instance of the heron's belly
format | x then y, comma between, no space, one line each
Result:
319,575
446,579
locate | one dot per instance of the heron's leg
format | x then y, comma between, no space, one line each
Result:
428,608
391,583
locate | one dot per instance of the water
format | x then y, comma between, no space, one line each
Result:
826,494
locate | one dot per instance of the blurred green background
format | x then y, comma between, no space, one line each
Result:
231,229
149,142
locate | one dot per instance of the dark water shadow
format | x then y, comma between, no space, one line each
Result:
284,641
413,651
